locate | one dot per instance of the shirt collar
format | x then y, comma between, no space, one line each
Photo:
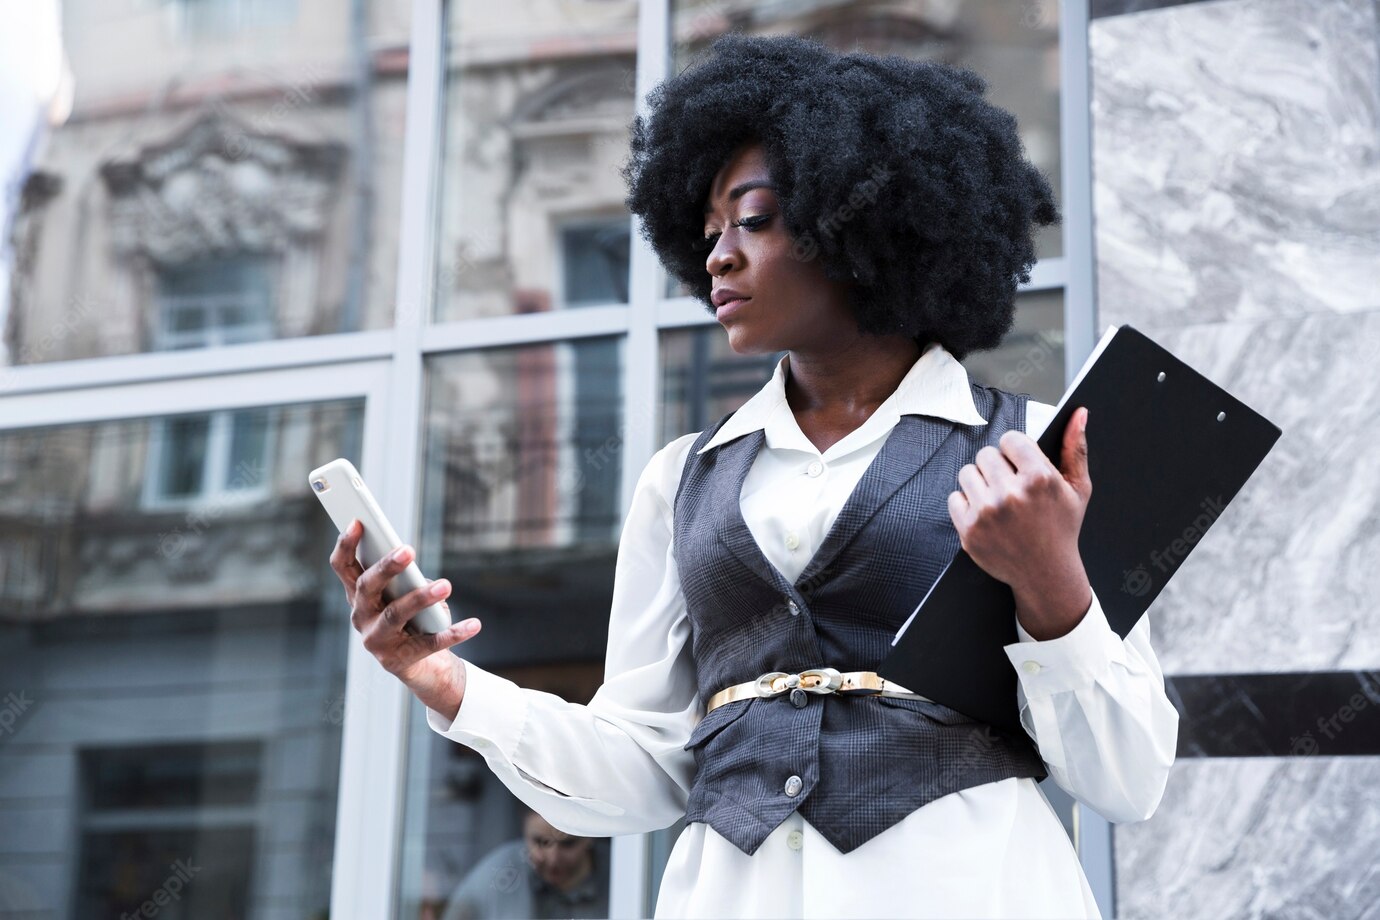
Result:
936,384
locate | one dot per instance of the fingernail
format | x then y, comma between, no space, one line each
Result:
439,587
402,554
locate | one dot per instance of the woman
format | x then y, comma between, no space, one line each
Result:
872,217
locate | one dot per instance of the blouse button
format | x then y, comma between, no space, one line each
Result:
792,541
793,786
815,468
795,840
1030,667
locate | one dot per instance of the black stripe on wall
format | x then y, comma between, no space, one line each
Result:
1329,713
1099,8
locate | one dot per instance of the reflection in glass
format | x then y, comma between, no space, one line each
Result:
521,512
175,674
227,173
703,378
538,100
1014,46
1030,359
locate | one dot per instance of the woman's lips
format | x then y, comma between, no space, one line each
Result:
728,309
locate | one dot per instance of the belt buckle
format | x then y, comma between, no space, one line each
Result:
764,684
831,680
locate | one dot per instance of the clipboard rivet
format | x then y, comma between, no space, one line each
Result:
1160,378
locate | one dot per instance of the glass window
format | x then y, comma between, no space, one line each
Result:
521,511
146,809
538,100
171,678
215,17
703,378
227,171
594,257
1014,46
1030,359
214,455
214,302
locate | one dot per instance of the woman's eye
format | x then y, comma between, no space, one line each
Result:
750,223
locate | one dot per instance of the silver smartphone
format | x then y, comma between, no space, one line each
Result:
344,495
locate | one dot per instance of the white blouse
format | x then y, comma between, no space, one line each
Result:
1093,703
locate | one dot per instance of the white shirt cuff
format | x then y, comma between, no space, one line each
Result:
1068,662
492,713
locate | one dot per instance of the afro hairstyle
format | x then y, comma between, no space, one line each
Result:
895,173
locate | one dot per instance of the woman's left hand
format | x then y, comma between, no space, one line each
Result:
1018,517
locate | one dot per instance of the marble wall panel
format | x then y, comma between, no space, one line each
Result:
1286,578
1259,837
1236,161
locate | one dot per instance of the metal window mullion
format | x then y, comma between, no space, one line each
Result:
1080,309
629,889
152,399
213,467
279,354
1094,832
526,329
367,866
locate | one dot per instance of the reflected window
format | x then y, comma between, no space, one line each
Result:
1030,359
213,17
231,175
703,379
214,302
179,677
537,105
147,810
595,261
216,455
1013,46
521,511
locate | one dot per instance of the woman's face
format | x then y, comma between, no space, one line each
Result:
790,305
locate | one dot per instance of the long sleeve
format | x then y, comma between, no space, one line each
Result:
616,765
1096,707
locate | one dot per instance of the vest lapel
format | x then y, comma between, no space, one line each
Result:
908,447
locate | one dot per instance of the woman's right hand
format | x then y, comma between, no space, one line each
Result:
422,662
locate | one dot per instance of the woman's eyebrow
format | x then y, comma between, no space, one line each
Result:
742,188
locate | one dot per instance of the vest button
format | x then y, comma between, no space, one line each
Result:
799,698
793,786
794,607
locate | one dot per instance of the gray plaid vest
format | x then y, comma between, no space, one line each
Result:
852,765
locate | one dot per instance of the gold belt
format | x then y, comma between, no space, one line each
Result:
815,680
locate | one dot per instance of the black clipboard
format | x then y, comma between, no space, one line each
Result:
1168,450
